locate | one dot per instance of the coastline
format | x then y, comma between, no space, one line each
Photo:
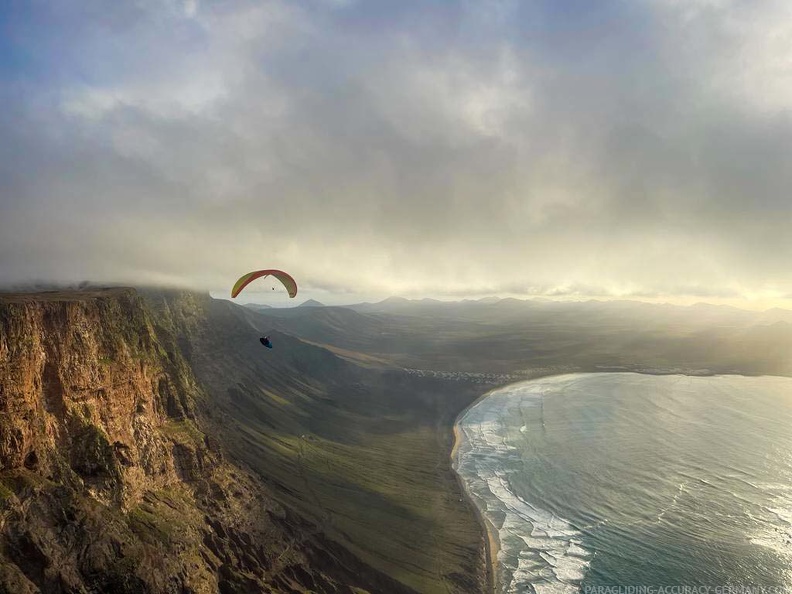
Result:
491,542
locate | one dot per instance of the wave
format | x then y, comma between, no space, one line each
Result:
539,551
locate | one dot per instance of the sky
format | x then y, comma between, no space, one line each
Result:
567,149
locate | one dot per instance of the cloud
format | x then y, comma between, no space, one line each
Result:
740,51
413,147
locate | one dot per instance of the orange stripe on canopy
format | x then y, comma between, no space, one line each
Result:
283,277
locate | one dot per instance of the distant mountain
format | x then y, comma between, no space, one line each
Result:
257,306
311,303
394,300
389,304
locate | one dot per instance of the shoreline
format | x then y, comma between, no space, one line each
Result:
491,542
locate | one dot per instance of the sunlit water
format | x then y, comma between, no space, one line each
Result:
635,480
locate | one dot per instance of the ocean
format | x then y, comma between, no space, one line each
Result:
635,481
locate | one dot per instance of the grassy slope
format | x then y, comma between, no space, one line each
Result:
362,453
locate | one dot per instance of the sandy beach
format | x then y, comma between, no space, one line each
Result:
492,543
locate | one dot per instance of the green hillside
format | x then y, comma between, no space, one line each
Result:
361,453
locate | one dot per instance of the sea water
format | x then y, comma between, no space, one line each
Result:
630,480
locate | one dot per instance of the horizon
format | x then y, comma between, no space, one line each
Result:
280,300
285,302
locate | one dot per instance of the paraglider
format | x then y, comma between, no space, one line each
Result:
283,277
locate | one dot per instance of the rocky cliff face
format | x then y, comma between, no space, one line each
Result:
108,481
89,398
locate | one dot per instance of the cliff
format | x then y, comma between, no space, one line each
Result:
109,482
147,446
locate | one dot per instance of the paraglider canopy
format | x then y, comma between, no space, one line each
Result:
245,280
